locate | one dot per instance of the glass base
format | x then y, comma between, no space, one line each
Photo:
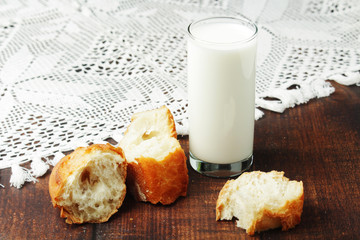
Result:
220,170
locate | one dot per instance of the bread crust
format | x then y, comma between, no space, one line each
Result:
155,181
220,204
152,181
286,217
67,165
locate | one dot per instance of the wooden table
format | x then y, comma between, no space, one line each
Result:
318,143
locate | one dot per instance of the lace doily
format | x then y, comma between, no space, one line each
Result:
73,72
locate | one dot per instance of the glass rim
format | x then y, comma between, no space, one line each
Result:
236,19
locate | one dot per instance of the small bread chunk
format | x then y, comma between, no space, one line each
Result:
88,185
261,201
157,169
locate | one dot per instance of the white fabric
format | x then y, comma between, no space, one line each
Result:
73,72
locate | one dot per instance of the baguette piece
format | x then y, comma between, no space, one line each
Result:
157,170
261,201
88,185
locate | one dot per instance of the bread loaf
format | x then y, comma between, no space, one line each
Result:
88,185
157,170
261,201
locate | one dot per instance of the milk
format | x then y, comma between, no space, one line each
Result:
221,91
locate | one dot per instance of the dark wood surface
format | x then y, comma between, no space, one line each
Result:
317,143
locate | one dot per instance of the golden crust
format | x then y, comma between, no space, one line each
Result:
66,166
286,217
219,203
159,181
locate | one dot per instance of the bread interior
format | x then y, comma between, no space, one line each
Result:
149,135
95,190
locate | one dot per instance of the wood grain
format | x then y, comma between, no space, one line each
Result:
317,143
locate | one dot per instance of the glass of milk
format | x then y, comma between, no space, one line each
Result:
221,95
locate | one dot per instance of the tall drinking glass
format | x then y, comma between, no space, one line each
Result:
221,94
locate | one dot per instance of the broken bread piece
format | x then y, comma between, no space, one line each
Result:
157,170
261,201
88,185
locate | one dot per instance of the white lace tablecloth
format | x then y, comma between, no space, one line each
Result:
73,72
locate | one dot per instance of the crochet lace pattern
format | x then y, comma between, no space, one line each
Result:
73,72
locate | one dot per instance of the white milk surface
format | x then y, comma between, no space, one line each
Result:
221,92
222,32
